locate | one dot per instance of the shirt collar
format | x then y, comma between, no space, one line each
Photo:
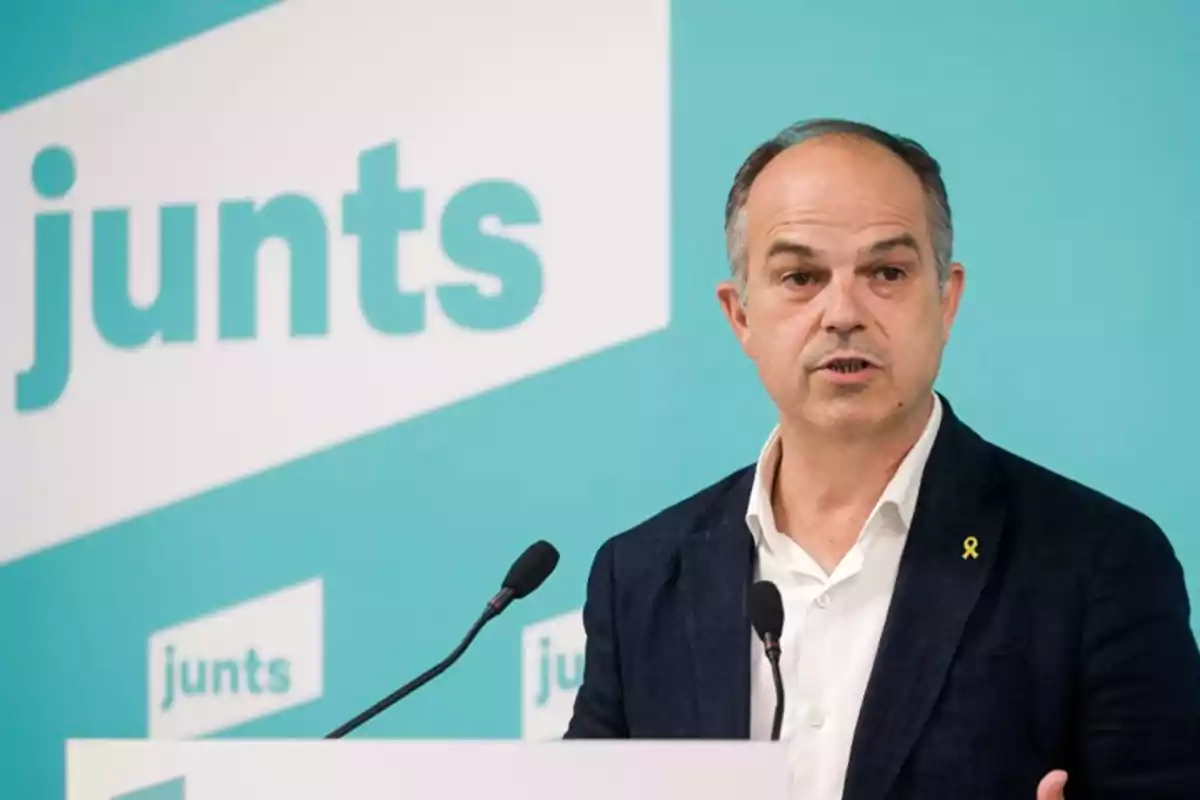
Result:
900,493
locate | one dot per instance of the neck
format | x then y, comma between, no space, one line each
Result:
824,474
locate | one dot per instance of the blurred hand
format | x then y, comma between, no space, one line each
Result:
1051,787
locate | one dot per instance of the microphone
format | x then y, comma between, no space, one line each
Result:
766,614
526,574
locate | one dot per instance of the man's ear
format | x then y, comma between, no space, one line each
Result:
735,311
951,296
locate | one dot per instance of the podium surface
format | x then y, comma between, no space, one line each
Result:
368,769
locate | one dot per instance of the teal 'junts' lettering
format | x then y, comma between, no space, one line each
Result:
247,674
557,671
376,213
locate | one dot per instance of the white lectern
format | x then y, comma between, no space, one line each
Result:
394,769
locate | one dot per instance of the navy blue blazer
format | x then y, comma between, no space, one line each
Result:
1065,645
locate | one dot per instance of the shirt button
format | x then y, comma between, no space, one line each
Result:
823,601
815,718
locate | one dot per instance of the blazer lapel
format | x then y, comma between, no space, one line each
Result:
716,568
937,586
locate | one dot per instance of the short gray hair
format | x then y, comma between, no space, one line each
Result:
914,155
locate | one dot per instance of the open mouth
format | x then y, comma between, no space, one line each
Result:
847,366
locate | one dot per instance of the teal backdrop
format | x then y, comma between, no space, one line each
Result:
1068,135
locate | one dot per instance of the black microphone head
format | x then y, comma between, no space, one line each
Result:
531,569
766,610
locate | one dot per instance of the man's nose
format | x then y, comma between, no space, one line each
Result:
843,313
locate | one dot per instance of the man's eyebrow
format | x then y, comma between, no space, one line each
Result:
784,246
791,248
885,245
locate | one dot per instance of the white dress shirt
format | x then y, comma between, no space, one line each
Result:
832,623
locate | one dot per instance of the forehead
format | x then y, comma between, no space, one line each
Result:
836,186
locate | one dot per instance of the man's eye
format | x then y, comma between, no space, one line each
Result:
800,278
890,274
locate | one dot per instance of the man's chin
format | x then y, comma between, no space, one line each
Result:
858,413
849,412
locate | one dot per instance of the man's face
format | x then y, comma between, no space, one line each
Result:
843,315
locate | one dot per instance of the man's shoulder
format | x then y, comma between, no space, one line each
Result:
667,529
1049,508
1033,480
1067,506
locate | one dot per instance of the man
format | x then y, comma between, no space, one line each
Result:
959,622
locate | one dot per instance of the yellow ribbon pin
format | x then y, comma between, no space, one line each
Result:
969,545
